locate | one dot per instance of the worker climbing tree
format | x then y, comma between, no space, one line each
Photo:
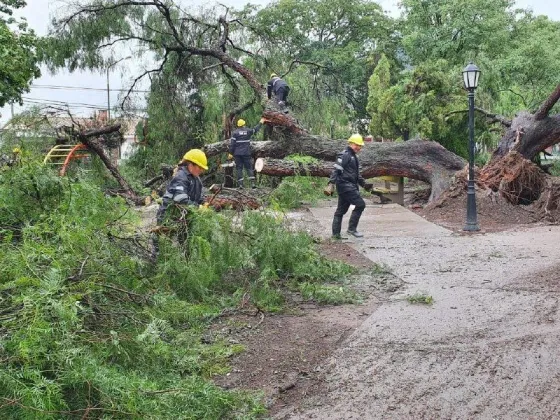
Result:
280,89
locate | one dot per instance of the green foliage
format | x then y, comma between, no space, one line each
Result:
294,191
328,294
455,30
320,111
297,190
482,158
333,37
420,103
18,66
253,252
90,324
555,168
420,297
39,133
27,195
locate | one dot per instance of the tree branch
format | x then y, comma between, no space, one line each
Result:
547,105
309,63
147,72
492,118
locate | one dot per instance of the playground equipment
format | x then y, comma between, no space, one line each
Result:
63,154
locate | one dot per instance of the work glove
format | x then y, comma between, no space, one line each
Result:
368,186
329,189
263,120
229,156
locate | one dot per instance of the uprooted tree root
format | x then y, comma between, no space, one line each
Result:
547,207
512,188
517,179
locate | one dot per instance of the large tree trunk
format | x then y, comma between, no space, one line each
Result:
510,170
529,134
426,161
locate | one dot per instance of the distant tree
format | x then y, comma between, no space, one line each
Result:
18,64
334,38
415,103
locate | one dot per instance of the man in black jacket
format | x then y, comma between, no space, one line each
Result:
279,88
347,178
240,150
185,187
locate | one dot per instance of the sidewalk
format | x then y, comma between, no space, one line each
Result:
486,348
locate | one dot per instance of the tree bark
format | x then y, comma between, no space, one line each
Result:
426,161
529,134
91,139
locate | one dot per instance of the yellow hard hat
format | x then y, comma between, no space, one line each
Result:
273,75
197,157
356,139
240,122
16,150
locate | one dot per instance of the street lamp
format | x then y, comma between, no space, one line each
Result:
471,74
108,90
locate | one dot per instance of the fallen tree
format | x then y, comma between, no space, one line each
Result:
510,172
426,161
527,134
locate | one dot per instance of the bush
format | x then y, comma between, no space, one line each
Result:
90,325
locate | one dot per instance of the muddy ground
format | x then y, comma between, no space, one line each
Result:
285,353
295,357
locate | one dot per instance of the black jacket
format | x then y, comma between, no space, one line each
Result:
346,172
240,142
184,188
274,85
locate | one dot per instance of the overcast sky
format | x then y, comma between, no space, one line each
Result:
85,91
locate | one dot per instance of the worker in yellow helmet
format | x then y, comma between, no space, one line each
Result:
280,89
240,150
185,187
346,176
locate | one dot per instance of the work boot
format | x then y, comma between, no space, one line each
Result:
338,237
283,107
253,184
240,184
355,233
336,227
353,226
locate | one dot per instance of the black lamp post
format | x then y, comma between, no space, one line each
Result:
470,79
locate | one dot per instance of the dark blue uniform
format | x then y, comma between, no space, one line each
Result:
347,178
184,188
240,148
279,88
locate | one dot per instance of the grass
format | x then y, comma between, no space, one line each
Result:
421,298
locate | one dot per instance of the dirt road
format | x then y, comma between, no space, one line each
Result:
488,346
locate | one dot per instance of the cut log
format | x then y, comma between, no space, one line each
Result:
278,167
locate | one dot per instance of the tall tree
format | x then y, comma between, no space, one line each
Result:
335,38
18,66
196,63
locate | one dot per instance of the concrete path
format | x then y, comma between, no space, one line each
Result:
489,345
